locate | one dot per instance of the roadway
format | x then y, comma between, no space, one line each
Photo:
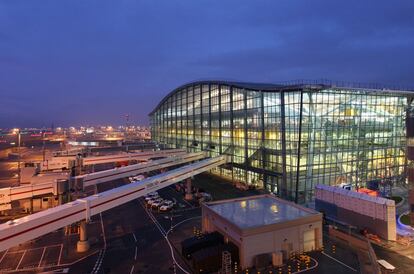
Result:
131,239
135,243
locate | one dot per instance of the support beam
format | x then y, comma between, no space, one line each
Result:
83,243
188,192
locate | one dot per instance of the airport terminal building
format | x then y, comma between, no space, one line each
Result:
289,138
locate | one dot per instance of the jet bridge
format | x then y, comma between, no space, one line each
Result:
30,227
67,162
138,156
9,194
132,170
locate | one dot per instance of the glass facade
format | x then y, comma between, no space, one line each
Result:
288,139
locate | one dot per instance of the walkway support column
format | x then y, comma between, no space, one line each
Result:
188,192
83,243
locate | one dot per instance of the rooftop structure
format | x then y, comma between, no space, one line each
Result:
259,211
264,224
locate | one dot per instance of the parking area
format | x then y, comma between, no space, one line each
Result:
28,259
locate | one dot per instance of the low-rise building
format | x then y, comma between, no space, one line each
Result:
264,224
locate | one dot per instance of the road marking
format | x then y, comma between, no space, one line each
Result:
52,265
101,254
135,238
4,255
338,261
60,254
165,234
98,262
31,249
307,269
157,224
132,269
21,259
103,230
41,258
136,251
63,270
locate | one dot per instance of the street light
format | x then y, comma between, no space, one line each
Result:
17,132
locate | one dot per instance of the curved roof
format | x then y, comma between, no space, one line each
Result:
286,86
243,85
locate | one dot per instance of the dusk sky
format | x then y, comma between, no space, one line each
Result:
90,62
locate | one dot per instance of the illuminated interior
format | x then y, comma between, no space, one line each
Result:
288,138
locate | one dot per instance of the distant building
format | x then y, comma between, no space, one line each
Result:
288,138
264,224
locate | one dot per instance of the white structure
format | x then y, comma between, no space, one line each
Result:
132,170
67,162
264,224
30,227
50,183
358,209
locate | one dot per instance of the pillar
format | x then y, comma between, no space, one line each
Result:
409,122
188,193
83,243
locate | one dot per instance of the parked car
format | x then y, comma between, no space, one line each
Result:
157,204
151,195
155,193
151,198
150,202
204,197
136,178
167,205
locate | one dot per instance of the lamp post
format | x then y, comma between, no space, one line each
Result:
18,157
43,147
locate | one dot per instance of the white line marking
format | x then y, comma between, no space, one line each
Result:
60,254
165,234
52,265
103,230
41,258
135,238
338,261
4,255
97,263
21,259
132,269
307,269
36,248
101,254
136,251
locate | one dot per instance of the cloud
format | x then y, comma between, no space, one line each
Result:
90,61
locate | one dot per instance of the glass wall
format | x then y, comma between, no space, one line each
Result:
289,141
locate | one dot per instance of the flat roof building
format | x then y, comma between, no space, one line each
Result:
289,138
264,224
